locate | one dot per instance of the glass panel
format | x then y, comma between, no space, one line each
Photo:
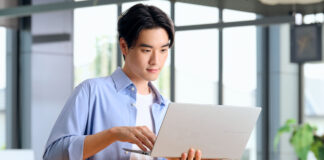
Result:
314,18
240,66
233,15
319,17
309,18
240,73
2,86
163,5
196,52
298,19
313,97
95,45
314,89
189,14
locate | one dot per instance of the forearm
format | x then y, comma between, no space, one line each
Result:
139,135
97,142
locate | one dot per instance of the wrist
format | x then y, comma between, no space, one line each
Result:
112,132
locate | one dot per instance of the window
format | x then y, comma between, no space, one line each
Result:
314,89
313,18
233,15
191,14
196,52
163,5
2,86
314,85
313,95
239,84
239,68
95,45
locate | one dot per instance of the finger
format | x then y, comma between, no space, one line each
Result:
184,156
191,154
198,155
143,139
148,133
173,158
136,141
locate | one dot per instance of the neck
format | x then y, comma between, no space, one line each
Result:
140,84
142,88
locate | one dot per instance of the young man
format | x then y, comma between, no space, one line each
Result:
124,110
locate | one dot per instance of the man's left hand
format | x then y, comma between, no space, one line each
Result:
191,155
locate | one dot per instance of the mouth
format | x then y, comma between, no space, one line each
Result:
152,70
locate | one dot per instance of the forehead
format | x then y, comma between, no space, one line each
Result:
154,36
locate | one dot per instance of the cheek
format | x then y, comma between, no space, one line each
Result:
140,60
164,58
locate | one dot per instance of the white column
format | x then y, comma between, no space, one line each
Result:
51,73
283,89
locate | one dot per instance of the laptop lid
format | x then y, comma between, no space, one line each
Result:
218,131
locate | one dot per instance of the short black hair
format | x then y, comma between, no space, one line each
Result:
140,17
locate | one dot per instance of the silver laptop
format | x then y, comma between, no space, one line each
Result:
218,131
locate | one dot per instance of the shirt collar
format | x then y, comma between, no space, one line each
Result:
122,81
158,98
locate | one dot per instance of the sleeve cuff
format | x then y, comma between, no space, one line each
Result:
76,147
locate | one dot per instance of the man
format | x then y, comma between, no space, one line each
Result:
103,114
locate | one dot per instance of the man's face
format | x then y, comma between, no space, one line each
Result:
145,59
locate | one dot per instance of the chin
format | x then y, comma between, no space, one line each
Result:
151,77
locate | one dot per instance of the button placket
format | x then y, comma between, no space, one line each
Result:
133,89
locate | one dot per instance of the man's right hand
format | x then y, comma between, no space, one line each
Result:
140,135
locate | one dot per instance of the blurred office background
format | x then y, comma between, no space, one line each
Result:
226,52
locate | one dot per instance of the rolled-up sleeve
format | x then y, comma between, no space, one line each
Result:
67,136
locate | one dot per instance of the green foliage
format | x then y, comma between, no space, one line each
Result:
3,147
290,123
318,147
315,148
303,139
321,153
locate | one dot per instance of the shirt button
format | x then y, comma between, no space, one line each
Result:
133,89
133,104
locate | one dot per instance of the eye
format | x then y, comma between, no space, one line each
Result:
146,50
164,50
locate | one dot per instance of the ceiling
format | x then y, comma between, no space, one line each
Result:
255,6
275,2
260,8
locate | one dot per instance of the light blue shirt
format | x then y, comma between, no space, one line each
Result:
96,105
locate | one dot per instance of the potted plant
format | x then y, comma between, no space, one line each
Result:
303,139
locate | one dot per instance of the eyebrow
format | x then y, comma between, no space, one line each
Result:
146,45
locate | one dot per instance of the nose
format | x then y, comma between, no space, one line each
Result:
154,59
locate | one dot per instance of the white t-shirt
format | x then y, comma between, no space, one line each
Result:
143,118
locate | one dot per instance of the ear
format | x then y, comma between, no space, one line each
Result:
123,46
